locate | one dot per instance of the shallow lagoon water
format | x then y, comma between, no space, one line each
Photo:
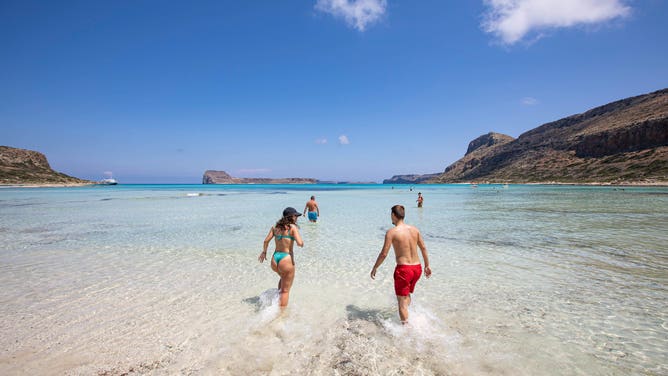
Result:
165,280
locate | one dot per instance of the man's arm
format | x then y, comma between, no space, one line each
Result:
305,207
383,253
425,255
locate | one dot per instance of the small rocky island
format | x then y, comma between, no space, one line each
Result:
222,177
22,167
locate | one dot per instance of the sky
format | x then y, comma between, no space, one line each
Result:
344,90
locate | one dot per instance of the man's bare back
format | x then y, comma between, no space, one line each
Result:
312,205
405,240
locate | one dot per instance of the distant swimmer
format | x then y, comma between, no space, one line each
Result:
420,199
313,209
404,239
286,233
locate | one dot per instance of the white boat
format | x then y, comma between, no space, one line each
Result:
108,181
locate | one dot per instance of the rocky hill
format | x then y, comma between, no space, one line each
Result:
488,140
621,142
27,167
410,179
222,177
480,144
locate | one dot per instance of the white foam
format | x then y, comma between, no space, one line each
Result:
423,329
269,306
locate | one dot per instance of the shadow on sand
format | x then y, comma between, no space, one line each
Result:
373,316
255,302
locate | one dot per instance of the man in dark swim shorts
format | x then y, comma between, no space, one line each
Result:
313,209
404,239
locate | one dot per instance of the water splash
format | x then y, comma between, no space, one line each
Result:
270,308
424,329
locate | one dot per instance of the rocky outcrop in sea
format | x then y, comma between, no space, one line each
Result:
222,177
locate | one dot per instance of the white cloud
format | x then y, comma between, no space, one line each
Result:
512,20
357,13
321,141
343,140
529,101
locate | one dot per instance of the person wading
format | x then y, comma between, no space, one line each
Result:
404,239
285,234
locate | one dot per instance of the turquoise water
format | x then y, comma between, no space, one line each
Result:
164,279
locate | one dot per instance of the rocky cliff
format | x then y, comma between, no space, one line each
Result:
478,147
27,167
222,177
621,142
410,179
488,140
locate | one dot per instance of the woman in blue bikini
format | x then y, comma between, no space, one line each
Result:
282,262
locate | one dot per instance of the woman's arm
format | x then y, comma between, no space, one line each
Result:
263,255
297,236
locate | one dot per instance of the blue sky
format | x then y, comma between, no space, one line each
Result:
160,91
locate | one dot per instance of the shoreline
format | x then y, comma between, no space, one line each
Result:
45,185
591,184
583,184
594,184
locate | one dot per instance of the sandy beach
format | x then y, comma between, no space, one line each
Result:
46,185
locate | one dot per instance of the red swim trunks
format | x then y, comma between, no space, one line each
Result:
405,278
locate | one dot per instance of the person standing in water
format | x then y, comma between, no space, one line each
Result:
420,199
405,239
313,209
286,234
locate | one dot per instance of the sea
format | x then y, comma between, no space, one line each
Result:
165,280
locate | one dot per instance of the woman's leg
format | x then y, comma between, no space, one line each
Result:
287,272
274,267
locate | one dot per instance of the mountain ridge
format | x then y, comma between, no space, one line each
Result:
28,167
622,142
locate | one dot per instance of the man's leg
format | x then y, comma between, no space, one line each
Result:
404,302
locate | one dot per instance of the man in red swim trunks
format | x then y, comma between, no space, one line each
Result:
404,239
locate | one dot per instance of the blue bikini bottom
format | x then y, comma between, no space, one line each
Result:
278,256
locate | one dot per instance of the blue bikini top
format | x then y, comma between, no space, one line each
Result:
279,237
